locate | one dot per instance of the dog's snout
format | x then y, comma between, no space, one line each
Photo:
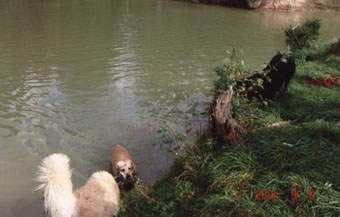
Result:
128,176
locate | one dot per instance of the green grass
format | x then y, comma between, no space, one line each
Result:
302,155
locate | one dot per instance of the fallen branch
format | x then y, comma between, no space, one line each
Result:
295,37
279,124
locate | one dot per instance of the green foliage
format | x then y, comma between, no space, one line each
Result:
310,102
304,36
325,54
170,140
230,72
234,72
303,155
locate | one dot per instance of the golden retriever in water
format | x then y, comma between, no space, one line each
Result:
122,163
99,197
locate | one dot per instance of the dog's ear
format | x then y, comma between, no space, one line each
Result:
117,170
133,168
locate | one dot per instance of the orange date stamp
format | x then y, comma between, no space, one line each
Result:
274,195
266,195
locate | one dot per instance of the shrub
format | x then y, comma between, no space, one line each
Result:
235,73
304,36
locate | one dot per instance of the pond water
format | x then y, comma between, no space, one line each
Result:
80,76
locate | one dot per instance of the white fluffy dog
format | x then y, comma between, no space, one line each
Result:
99,197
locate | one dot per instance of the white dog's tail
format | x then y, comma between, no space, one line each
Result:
55,176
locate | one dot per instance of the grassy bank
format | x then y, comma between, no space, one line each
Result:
292,147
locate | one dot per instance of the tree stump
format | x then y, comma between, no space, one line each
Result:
221,124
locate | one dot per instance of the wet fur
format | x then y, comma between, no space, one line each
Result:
99,197
120,159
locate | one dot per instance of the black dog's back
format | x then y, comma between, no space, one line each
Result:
276,77
280,70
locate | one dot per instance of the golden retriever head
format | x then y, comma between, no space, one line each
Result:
126,168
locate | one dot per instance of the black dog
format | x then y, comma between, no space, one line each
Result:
280,70
276,77
124,183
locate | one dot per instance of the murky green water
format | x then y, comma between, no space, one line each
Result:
81,76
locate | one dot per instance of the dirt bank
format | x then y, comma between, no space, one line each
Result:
300,5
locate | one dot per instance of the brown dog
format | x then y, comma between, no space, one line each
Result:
122,163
